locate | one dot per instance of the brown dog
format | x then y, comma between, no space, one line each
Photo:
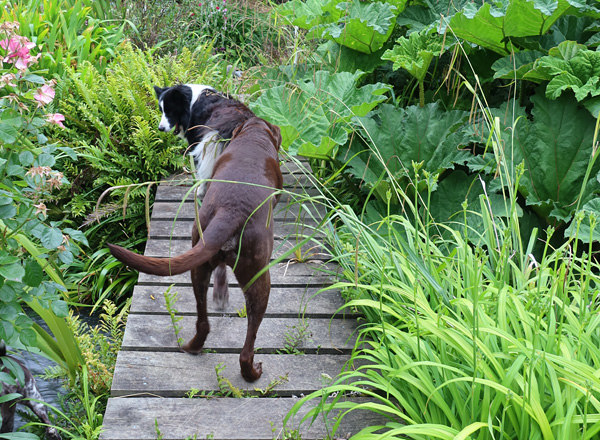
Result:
231,214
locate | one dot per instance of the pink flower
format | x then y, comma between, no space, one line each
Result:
55,118
17,51
44,95
217,7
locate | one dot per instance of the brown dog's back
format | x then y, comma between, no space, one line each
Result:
240,196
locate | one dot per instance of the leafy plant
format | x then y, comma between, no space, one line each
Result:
361,26
314,114
414,54
31,247
238,30
295,336
171,301
72,31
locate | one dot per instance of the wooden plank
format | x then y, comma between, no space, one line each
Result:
172,193
221,419
186,211
227,334
175,374
312,273
167,246
183,229
283,303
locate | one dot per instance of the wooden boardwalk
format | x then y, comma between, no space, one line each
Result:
302,340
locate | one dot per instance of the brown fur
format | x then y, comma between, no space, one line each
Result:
230,213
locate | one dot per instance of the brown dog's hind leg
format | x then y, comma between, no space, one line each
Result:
200,282
220,287
257,297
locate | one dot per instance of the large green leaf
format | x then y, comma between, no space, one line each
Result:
431,13
493,26
296,114
447,200
314,116
572,66
304,14
519,65
585,232
10,122
396,137
362,26
415,53
556,148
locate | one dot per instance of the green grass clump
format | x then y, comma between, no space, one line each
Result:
469,332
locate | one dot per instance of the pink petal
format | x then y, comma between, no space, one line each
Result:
44,95
55,118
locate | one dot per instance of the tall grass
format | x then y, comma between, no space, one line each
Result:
467,337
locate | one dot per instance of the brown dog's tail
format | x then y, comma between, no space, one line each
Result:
215,235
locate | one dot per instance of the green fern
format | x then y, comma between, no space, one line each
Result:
112,119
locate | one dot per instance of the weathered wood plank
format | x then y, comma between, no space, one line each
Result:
183,229
220,419
227,334
312,273
167,246
186,211
288,302
178,193
175,374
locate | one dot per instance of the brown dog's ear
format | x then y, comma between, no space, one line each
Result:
275,134
237,130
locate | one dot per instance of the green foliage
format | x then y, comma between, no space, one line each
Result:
361,26
71,31
170,303
112,119
83,405
32,249
427,135
556,148
449,322
414,54
237,30
314,114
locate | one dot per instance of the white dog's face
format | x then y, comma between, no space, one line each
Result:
175,104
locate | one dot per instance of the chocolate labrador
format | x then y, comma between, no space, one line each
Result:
236,219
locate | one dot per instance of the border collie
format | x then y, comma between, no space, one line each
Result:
203,117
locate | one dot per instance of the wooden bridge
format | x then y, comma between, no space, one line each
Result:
301,343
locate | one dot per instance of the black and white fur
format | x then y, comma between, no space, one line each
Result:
31,397
203,117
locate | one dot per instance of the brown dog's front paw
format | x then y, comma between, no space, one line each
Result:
252,374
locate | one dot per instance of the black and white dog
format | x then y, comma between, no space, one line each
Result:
30,396
203,117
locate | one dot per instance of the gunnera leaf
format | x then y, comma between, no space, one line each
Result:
556,148
314,117
396,137
361,26
518,65
304,14
446,203
582,230
491,26
572,66
415,53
